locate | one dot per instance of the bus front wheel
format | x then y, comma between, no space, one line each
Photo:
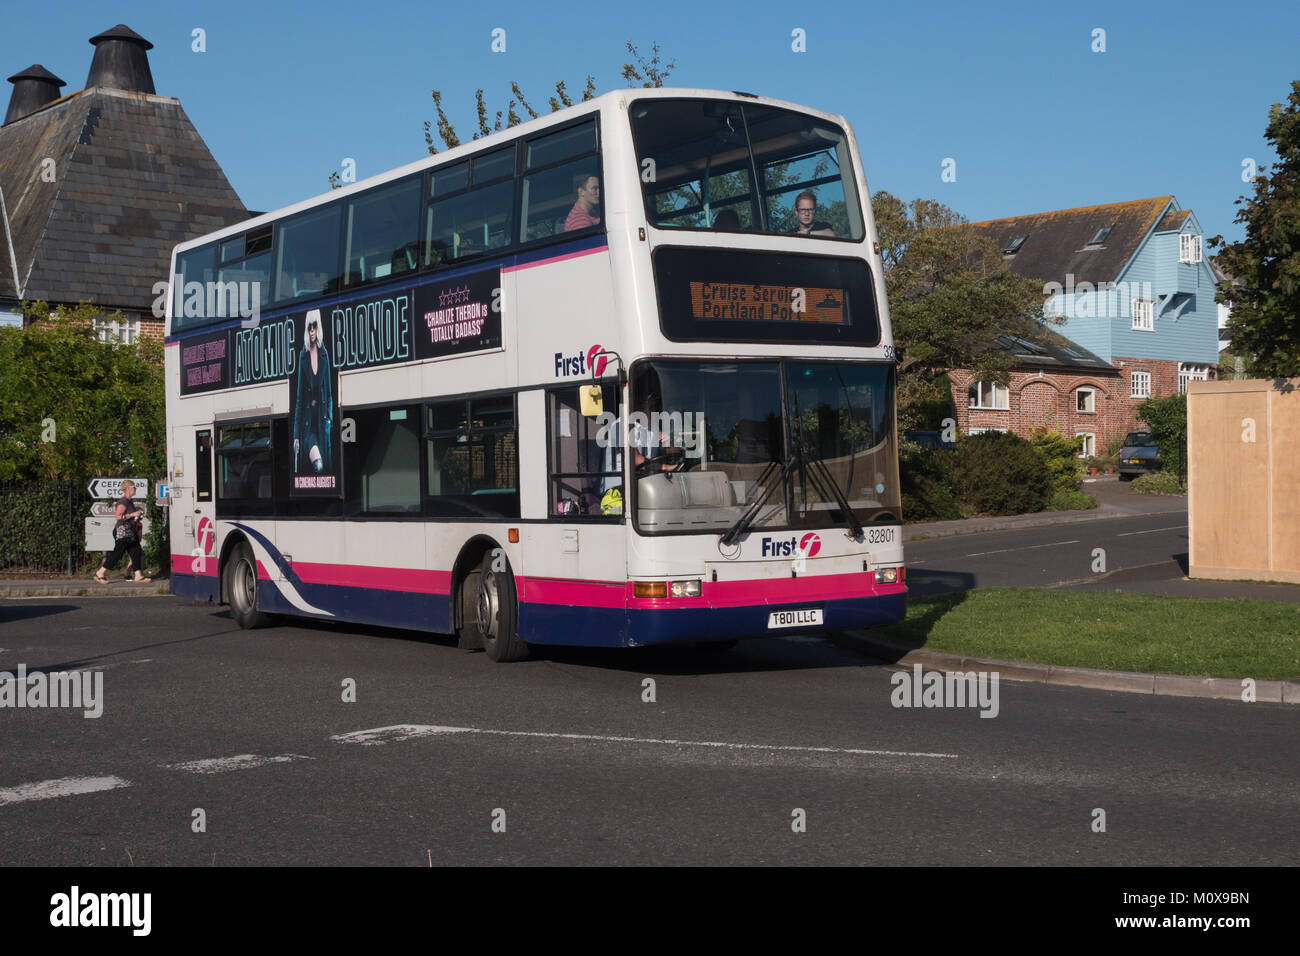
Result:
241,588
496,612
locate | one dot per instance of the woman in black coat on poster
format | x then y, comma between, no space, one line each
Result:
314,402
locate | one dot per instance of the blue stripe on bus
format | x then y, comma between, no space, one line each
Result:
512,261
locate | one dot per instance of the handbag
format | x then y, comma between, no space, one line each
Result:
124,531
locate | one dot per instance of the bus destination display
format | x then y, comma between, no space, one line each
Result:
753,302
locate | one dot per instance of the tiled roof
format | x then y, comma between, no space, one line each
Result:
1058,243
128,178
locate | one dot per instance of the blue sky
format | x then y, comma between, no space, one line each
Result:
1013,92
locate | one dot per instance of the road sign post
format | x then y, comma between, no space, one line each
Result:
112,487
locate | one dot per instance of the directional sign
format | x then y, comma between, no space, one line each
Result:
112,487
102,509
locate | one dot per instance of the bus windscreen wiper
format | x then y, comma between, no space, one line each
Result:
774,467
827,486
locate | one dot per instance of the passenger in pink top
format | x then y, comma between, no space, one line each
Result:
580,216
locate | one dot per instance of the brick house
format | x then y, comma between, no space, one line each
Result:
1054,383
1137,294
97,186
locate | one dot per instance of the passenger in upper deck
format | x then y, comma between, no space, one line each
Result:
580,216
805,207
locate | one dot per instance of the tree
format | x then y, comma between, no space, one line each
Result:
645,73
1264,288
1167,418
72,407
950,296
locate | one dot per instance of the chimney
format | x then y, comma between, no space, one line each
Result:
121,61
33,88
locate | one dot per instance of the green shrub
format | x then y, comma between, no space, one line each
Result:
40,522
1159,483
1071,501
1061,455
926,478
1167,419
1000,473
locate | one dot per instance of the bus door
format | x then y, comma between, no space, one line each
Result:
193,502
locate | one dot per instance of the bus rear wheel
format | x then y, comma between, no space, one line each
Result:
240,587
496,612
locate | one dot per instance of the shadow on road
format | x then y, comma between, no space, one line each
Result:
929,582
22,612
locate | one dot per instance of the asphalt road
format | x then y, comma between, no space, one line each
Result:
252,729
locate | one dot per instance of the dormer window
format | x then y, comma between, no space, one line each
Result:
1189,248
1100,235
1014,245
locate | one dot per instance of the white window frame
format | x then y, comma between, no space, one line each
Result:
980,429
1134,378
1144,315
1000,392
1089,449
1189,248
117,333
1190,372
1092,400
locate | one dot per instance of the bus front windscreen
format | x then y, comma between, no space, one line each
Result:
710,439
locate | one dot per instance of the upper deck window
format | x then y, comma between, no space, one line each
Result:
733,167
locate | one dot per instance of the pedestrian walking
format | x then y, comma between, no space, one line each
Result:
126,537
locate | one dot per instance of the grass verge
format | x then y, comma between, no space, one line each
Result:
1122,632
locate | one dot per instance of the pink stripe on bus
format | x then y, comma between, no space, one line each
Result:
543,262
417,580
572,592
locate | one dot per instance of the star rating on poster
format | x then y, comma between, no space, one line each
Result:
453,296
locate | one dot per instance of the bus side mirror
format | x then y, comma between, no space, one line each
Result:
592,399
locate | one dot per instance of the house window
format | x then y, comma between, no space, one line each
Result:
1140,384
1191,373
1144,315
1085,401
1014,245
981,431
125,332
1189,248
1089,444
989,395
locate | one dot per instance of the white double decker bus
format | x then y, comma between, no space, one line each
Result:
619,376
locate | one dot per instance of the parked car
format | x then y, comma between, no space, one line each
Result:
932,440
1139,455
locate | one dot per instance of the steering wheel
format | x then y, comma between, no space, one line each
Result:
658,463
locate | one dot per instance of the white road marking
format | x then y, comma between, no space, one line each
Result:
64,787
380,735
1054,544
1179,527
238,762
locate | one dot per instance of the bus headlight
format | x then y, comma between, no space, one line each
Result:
685,589
891,575
665,589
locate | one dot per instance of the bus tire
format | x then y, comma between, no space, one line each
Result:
468,637
496,613
240,587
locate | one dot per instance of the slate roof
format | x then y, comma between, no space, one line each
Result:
1057,242
1172,220
1050,350
131,179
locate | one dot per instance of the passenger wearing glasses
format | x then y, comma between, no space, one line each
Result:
805,207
